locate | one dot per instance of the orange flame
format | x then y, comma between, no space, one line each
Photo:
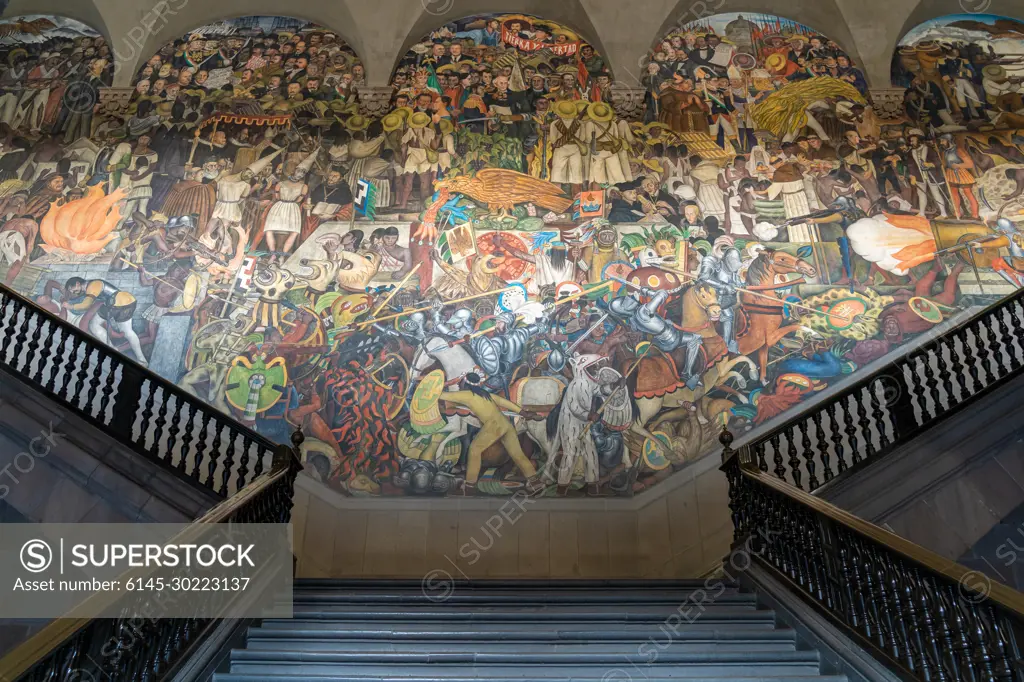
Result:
85,225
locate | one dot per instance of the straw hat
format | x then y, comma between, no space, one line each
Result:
565,109
446,126
775,62
392,121
419,119
994,72
403,112
357,122
600,112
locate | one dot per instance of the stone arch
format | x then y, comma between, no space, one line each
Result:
173,26
823,17
571,15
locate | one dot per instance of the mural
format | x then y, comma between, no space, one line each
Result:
496,282
963,72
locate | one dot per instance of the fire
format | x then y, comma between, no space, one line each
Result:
85,225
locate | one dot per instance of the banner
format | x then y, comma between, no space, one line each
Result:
527,45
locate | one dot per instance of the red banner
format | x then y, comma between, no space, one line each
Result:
527,45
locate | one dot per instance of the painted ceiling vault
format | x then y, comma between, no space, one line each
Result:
498,278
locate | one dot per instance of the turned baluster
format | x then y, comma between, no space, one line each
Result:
850,430
930,389
862,589
147,414
173,429
805,445
1004,660
794,461
229,462
214,454
865,424
21,334
890,616
780,469
846,573
895,591
982,657
107,392
94,385
933,650
918,650
82,376
993,345
32,356
944,621
58,342
257,468
187,436
243,462
960,628
822,445
759,455
158,431
201,435
972,349
918,388
837,436
9,311
1015,347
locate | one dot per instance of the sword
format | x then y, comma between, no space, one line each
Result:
587,333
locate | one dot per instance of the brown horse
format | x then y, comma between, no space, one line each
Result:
763,315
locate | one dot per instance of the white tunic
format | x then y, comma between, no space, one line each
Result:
229,200
286,214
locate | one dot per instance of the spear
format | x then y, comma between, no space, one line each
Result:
770,298
393,292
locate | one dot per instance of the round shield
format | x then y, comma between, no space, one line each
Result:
654,278
565,289
514,297
843,313
256,386
652,455
616,268
925,309
424,413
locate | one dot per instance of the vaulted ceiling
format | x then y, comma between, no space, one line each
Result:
382,31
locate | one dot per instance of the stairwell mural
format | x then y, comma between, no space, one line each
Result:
504,279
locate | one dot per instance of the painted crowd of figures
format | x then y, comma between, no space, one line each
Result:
499,283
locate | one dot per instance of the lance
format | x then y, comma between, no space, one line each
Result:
424,309
394,291
770,298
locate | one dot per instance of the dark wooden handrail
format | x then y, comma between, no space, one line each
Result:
77,642
142,411
921,615
877,414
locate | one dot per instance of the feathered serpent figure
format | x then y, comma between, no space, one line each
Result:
501,189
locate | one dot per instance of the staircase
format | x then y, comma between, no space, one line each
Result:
546,630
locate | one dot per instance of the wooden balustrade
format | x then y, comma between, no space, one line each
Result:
143,412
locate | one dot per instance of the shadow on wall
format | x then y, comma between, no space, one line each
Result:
498,278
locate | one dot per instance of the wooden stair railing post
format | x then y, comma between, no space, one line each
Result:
127,400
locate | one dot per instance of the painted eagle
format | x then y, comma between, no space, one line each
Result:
501,189
34,27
